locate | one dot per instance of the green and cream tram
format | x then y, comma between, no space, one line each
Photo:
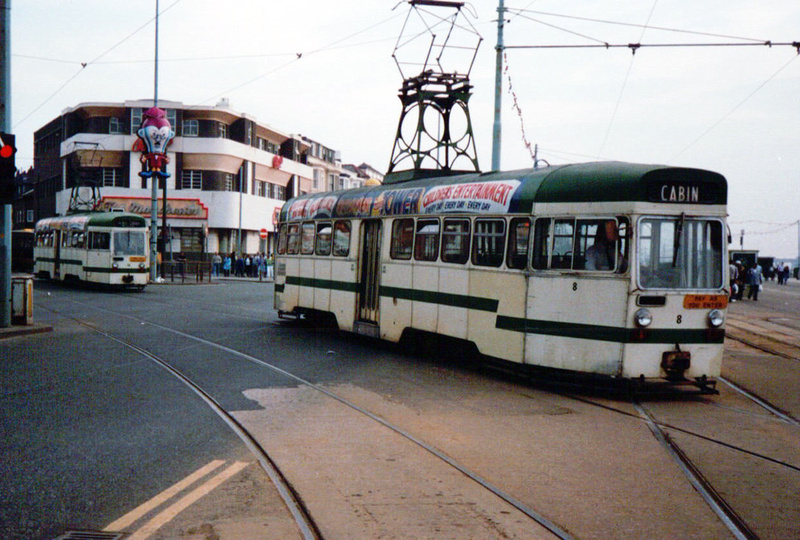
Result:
109,248
611,268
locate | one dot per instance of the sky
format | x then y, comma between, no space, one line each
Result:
326,70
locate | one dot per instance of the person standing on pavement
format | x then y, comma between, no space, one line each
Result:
216,264
734,277
226,266
754,280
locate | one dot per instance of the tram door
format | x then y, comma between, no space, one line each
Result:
369,274
57,255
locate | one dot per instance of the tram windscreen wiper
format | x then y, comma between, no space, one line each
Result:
678,235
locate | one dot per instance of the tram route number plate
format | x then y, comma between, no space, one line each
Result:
138,259
705,301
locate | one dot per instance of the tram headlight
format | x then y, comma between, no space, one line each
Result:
141,266
115,266
715,318
643,317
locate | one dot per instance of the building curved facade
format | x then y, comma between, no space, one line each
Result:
229,174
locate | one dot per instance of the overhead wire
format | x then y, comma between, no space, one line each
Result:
84,65
735,108
625,83
297,58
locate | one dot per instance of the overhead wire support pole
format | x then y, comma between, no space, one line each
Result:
6,210
497,132
154,181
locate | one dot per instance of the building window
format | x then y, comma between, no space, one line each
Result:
228,182
116,126
136,119
317,175
222,130
112,177
261,188
191,128
31,216
138,112
192,180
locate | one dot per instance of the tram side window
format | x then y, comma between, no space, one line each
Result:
99,240
323,238
488,243
293,239
455,241
282,239
601,244
519,232
402,239
426,243
541,244
563,234
341,239
307,238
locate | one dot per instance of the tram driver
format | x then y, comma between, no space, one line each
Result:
605,251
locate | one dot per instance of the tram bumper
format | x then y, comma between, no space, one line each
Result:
675,363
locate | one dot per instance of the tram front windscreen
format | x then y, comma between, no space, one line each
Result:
680,253
129,243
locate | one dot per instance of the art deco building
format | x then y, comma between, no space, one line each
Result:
230,174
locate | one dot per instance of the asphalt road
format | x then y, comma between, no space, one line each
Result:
92,430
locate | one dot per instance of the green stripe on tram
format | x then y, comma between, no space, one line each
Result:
516,324
606,333
444,299
322,283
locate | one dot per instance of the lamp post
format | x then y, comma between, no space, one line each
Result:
156,133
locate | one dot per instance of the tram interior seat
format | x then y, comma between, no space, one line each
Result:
562,261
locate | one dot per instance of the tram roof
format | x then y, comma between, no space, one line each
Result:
516,191
81,221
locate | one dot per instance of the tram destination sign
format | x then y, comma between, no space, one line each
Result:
682,192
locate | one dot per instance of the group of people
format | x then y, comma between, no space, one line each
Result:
781,272
742,276
258,265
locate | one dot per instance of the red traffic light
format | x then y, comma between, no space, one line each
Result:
7,145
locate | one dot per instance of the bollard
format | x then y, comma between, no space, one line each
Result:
22,301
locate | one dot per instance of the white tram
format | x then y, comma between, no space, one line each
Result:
109,248
612,269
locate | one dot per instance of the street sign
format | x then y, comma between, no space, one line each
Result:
263,233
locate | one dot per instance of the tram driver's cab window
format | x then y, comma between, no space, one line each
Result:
597,244
99,240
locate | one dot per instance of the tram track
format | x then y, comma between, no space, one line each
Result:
727,515
305,522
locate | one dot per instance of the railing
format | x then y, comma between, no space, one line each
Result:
198,271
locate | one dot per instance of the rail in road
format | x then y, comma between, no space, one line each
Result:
772,331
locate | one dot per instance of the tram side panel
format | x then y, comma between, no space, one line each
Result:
322,275
425,309
396,302
576,323
494,298
343,298
453,319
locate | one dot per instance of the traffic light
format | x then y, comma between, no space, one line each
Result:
8,168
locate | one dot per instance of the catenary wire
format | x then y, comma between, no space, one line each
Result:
94,61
